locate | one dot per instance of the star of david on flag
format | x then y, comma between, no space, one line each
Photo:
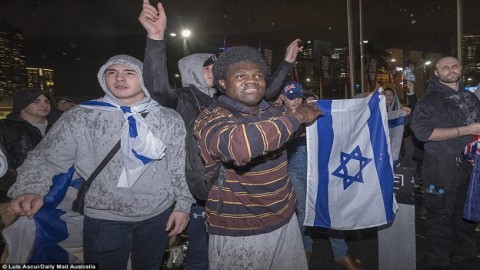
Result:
350,165
342,170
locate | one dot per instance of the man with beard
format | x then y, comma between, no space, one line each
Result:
445,119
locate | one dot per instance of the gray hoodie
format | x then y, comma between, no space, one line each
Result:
85,134
191,68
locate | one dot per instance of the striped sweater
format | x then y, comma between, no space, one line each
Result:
256,196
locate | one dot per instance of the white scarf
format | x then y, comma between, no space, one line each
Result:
139,147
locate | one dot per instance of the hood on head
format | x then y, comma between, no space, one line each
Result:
24,97
191,70
128,61
395,102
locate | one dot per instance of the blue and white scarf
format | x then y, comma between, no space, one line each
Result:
139,147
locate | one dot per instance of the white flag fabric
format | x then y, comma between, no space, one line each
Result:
396,125
350,170
54,235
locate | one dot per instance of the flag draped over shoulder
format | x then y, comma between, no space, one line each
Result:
350,171
54,235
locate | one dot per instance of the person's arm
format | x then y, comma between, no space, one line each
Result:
225,138
155,71
277,80
441,134
425,130
53,155
411,95
176,154
3,160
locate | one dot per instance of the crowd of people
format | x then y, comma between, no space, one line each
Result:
223,159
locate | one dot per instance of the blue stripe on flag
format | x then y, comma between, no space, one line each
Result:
97,103
378,140
143,159
132,127
326,135
395,122
50,228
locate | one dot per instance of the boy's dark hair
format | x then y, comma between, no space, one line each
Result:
235,55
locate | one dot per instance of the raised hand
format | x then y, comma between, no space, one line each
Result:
292,50
154,20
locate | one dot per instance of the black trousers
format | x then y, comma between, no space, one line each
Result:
446,231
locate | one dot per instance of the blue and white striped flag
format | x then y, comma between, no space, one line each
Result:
350,171
396,125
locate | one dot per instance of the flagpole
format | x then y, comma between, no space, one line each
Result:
350,48
362,59
460,30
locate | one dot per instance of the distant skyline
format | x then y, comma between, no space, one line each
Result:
76,37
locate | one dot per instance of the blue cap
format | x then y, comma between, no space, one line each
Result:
293,90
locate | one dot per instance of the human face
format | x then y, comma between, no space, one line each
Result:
124,84
245,83
448,70
64,105
292,103
208,74
36,111
388,96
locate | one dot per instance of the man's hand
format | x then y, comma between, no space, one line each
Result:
153,20
307,112
26,205
407,110
471,129
177,220
292,50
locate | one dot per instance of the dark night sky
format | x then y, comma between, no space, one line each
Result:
75,37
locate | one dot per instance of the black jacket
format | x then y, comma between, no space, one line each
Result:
443,107
18,137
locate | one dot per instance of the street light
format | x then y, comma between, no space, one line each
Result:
185,34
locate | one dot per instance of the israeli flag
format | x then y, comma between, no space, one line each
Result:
54,235
350,166
396,125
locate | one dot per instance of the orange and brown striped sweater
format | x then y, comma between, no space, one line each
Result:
257,196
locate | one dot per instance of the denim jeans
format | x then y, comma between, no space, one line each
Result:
197,250
337,243
111,243
297,169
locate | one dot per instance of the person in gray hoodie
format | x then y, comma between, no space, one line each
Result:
3,160
128,208
198,92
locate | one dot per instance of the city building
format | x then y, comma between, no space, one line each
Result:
471,59
13,74
421,63
41,78
326,71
